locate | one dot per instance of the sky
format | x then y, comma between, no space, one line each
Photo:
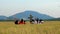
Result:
48,7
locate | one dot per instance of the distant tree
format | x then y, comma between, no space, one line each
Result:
30,17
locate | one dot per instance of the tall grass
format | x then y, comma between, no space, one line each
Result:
48,27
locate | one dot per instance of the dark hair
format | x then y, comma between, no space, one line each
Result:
21,19
16,22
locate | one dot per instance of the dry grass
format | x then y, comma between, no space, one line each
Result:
48,27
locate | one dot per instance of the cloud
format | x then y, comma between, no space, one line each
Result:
11,7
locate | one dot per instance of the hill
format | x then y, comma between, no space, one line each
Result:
54,19
26,14
3,17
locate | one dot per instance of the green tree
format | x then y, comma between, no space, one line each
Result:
30,17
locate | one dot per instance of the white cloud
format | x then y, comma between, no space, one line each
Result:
49,7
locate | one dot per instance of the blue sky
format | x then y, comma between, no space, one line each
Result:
11,7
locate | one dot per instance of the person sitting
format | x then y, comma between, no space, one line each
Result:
33,21
37,20
16,21
41,21
22,21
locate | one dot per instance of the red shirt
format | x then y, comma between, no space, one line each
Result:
21,22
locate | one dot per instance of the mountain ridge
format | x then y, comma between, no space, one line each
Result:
26,14
3,17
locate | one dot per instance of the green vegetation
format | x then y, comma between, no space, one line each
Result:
30,17
48,27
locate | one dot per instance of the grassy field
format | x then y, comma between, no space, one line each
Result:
48,27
